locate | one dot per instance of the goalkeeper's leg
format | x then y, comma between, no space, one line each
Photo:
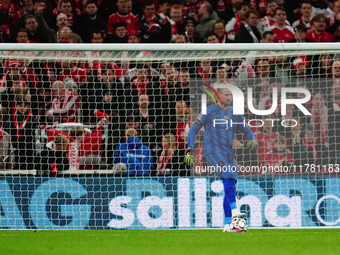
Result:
229,205
227,214
230,195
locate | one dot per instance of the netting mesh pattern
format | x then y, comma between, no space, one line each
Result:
121,120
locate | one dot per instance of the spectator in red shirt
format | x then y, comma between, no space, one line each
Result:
306,18
123,14
6,157
235,23
27,8
309,151
336,17
53,158
12,79
265,138
150,123
4,37
65,106
300,68
164,10
176,21
170,162
190,8
70,70
182,119
22,134
262,70
319,34
283,32
9,12
268,20
320,118
280,155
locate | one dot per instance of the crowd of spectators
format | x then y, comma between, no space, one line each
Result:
147,106
169,21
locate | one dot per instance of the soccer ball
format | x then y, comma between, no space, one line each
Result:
239,224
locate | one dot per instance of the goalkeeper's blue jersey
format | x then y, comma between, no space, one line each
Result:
219,128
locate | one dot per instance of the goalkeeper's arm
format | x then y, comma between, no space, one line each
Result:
190,157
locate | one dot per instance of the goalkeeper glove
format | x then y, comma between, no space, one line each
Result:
189,159
253,144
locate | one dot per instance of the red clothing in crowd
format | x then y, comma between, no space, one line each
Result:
233,26
267,22
266,143
77,74
10,15
32,76
192,10
132,23
323,37
73,156
276,158
17,84
180,134
67,110
282,35
301,21
141,86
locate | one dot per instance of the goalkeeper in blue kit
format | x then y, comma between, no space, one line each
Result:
219,127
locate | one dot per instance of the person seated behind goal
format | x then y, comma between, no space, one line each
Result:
170,162
54,159
136,156
6,148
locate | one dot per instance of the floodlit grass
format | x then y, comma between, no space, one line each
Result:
101,242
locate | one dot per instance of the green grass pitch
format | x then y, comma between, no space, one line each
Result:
101,242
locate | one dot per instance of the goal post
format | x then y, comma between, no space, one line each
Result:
94,136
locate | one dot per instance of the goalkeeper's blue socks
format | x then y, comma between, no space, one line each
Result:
230,192
227,220
229,202
233,205
227,210
230,196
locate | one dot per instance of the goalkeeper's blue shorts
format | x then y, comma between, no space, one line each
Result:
223,163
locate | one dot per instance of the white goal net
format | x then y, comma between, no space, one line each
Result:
94,137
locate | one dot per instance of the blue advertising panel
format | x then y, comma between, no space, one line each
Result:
164,203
